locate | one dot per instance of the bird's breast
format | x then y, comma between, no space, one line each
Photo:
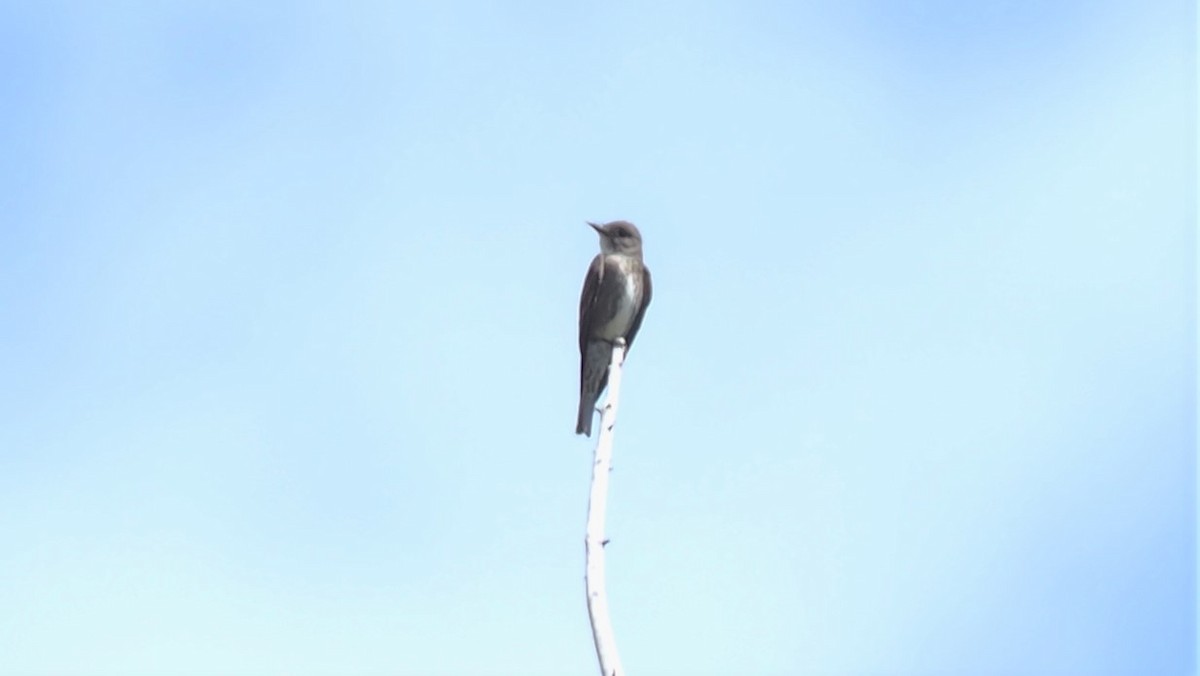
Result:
624,307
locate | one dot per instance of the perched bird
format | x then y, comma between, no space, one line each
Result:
615,295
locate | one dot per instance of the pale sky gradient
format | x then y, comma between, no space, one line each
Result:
287,336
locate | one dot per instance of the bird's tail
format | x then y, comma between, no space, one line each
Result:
587,409
593,376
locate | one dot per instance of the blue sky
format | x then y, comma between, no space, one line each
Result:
288,366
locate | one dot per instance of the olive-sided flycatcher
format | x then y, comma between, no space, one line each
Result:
615,295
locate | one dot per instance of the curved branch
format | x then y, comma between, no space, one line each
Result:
594,541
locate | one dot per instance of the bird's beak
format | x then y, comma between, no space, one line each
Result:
597,228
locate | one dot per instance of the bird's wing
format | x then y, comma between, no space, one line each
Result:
647,292
587,300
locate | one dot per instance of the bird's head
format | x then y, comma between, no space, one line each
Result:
619,237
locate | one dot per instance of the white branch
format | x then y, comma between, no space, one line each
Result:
594,541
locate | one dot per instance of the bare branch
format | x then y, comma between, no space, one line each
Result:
594,541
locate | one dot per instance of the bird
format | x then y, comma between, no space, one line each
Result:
616,293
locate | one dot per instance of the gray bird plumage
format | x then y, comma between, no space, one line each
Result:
616,293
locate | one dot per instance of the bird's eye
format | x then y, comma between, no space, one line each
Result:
622,232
